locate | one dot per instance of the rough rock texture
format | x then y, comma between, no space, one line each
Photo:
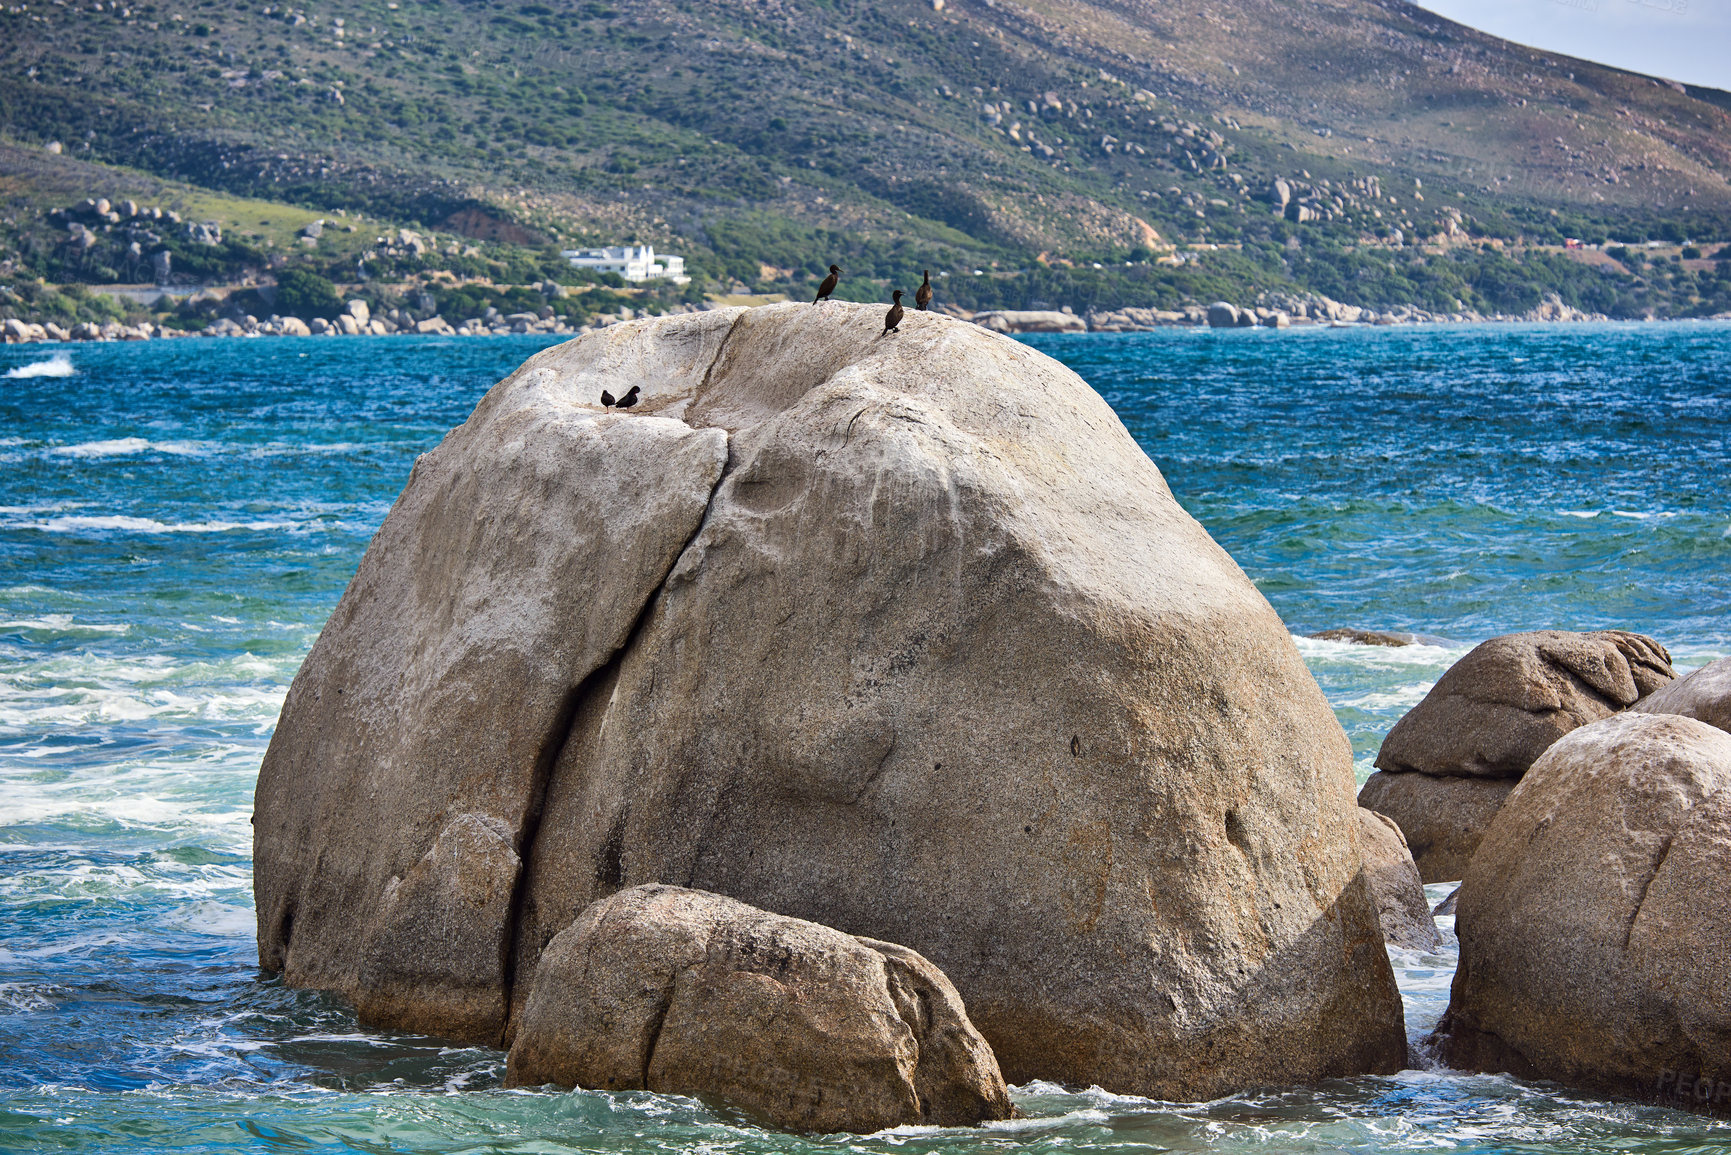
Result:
1704,694
1400,900
945,665
1595,923
1442,819
1501,706
512,568
1446,766
448,916
684,992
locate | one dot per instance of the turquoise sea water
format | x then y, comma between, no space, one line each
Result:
177,519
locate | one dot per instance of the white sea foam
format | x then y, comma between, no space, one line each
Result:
17,997
59,365
107,523
1415,655
64,624
127,446
1634,514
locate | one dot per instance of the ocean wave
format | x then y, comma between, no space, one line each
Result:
23,997
128,446
1359,654
1632,514
64,624
59,365
123,523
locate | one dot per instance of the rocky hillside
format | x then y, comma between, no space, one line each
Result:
766,138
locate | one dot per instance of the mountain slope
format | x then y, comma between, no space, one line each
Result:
762,135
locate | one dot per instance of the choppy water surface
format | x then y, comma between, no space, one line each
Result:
178,518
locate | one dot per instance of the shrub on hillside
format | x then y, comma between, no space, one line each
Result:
301,293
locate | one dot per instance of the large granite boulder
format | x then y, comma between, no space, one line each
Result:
1401,905
684,992
1704,694
1595,924
1445,766
937,659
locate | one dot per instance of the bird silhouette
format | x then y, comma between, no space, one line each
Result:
923,294
607,399
629,399
829,284
894,316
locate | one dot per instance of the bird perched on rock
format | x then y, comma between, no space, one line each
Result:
923,294
624,402
893,318
829,284
607,399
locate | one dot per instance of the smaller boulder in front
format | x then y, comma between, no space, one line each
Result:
685,992
1394,881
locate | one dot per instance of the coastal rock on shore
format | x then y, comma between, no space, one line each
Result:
1031,321
1400,900
938,660
1594,924
684,992
1487,719
1704,694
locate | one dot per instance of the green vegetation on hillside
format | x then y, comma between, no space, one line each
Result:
763,141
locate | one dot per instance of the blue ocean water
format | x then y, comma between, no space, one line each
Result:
178,518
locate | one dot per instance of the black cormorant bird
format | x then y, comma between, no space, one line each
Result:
923,294
629,399
829,284
894,316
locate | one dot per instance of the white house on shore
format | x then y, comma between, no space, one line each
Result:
632,262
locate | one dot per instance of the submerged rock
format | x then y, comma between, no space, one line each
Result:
1594,925
1401,904
1704,694
683,992
939,660
1359,637
1446,766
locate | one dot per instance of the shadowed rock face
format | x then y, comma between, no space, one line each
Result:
1446,766
664,989
1442,819
1401,904
1594,922
937,660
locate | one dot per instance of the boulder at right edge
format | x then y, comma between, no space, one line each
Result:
1704,694
1595,921
680,991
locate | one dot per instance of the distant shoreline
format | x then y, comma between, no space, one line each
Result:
1008,321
